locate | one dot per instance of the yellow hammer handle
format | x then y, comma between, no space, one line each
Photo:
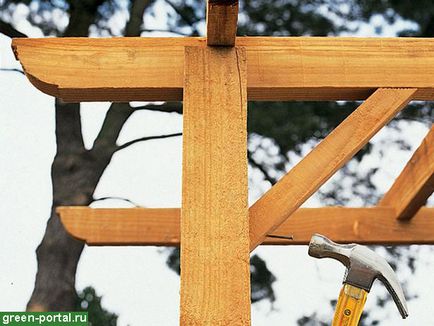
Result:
350,306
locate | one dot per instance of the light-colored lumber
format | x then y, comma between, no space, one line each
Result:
215,272
295,68
122,226
221,22
160,227
278,203
415,184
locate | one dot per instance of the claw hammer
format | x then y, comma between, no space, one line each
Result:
364,266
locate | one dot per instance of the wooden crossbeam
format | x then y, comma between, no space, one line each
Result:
215,272
221,22
297,68
283,199
415,184
161,227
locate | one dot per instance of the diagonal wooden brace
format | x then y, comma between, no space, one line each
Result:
276,205
415,184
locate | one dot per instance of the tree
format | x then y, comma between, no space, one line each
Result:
287,126
58,254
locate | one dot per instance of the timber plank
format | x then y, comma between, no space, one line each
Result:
122,226
415,184
290,192
280,68
161,227
221,22
215,270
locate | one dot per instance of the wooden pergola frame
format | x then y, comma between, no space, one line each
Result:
216,76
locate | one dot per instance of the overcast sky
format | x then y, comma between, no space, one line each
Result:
134,281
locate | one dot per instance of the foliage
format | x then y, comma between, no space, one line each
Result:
261,280
280,126
88,300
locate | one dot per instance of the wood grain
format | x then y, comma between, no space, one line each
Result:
278,203
221,22
161,227
294,68
215,270
122,226
415,184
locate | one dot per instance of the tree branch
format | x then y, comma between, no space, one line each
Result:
260,168
184,17
168,107
117,198
117,115
135,141
166,31
8,30
12,70
137,10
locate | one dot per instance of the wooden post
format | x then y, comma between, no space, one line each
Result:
221,21
215,279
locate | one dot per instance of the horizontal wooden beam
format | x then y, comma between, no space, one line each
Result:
221,22
415,184
304,179
294,68
122,226
160,227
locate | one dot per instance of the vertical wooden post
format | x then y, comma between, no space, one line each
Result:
215,275
221,22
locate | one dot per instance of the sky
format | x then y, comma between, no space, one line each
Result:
134,281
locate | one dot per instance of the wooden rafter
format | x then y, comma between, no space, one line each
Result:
283,199
415,184
214,218
298,68
221,20
161,227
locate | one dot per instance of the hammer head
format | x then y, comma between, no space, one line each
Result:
363,267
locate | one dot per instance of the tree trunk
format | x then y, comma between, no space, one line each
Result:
75,175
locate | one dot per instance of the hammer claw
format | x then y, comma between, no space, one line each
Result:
363,265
